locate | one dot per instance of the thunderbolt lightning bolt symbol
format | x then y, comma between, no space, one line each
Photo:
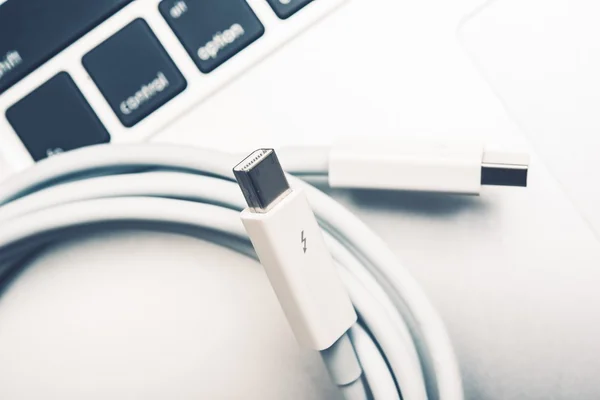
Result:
303,241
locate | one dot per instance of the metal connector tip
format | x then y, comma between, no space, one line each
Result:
504,175
504,168
261,179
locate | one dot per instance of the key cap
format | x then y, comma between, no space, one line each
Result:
32,31
55,118
134,72
212,31
286,8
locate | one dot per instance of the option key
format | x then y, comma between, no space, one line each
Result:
212,31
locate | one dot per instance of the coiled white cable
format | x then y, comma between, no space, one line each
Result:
401,342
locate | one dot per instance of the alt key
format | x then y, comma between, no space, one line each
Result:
212,31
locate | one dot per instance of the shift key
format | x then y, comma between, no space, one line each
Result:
33,31
212,31
134,73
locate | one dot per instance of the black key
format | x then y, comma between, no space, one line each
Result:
55,118
32,31
134,72
212,31
286,8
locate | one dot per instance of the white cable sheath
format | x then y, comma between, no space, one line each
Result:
375,369
171,187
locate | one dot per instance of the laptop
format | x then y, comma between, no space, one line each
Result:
77,73
542,58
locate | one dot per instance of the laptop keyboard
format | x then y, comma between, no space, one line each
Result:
76,73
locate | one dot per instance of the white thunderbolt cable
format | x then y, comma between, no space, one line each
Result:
378,334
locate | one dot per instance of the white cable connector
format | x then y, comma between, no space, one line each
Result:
421,165
290,245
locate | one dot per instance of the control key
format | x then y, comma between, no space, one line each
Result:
134,72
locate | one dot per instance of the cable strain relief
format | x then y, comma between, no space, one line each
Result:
342,362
